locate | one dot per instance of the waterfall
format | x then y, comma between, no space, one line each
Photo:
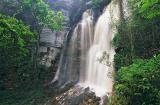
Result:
98,76
73,60
88,57
86,41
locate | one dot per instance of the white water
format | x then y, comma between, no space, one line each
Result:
73,61
87,48
98,76
126,10
85,41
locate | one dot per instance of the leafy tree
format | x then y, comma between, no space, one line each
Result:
37,10
138,83
35,13
138,37
43,14
20,26
16,40
150,8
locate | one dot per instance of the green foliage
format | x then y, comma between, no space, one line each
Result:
116,41
15,41
121,41
23,96
121,60
21,22
43,14
115,100
138,83
13,33
138,37
38,12
150,8
15,36
18,85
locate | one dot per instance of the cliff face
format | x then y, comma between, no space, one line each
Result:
56,46
78,8
53,44
67,73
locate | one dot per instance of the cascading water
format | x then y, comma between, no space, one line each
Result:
73,62
125,10
86,40
98,75
88,58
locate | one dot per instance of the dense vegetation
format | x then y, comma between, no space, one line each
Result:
137,84
15,41
137,43
137,56
21,22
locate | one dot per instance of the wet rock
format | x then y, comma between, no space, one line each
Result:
77,96
98,99
57,98
86,89
105,100
90,100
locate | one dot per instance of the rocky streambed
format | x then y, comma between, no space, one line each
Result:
76,96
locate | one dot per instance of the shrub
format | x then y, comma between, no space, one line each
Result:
139,82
